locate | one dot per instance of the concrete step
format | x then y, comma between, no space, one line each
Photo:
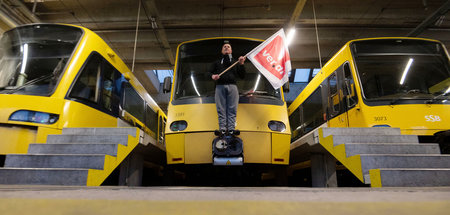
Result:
341,139
43,176
360,131
403,161
100,131
404,177
55,161
73,148
390,148
121,139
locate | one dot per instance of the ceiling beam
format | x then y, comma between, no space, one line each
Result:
6,22
14,13
430,19
256,24
297,11
157,26
25,11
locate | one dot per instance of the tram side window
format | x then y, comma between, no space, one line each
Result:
133,103
313,114
349,87
162,125
86,85
151,119
295,123
111,84
334,95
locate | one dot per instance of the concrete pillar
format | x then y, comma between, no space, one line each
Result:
323,170
131,170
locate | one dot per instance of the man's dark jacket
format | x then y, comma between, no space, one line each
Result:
230,76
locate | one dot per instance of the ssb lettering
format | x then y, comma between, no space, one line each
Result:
432,118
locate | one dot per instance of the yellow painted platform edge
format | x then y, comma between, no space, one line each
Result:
123,206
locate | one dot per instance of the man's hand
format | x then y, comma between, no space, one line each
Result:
215,77
242,60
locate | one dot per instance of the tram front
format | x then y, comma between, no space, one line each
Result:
405,83
192,117
33,59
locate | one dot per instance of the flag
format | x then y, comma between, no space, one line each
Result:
272,59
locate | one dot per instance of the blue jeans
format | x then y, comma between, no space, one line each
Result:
227,99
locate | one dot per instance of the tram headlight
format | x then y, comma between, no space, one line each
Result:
277,126
178,125
34,116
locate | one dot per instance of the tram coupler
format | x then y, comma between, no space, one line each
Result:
227,150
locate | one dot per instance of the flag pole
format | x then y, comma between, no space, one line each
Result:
232,65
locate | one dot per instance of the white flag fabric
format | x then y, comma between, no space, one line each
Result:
272,59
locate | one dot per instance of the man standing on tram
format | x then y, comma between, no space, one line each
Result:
227,93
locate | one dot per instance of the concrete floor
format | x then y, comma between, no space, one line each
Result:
222,200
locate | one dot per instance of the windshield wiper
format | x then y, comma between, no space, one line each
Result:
188,97
432,100
260,94
7,88
31,82
58,69
248,93
413,91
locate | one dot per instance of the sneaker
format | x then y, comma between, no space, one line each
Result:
217,132
223,132
220,132
234,132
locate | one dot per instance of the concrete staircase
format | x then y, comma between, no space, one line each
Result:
384,157
79,156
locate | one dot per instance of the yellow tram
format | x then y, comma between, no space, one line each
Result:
379,82
192,117
54,76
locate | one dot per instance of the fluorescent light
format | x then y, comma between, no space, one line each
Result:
408,65
24,59
447,91
193,84
257,82
290,36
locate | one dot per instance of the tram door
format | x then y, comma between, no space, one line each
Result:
350,99
337,109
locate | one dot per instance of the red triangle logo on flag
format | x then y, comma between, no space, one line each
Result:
272,59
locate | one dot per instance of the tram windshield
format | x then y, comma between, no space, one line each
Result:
403,70
32,58
193,83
